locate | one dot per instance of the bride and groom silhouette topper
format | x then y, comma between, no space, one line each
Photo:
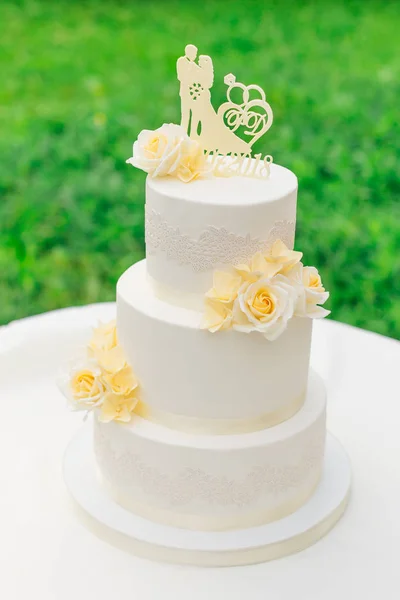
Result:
216,130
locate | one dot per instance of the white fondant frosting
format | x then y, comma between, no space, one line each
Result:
230,427
191,229
189,372
214,482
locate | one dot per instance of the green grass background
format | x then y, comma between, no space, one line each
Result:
79,80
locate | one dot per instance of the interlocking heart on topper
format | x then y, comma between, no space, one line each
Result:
256,122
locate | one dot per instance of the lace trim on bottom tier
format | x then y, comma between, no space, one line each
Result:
209,522
189,485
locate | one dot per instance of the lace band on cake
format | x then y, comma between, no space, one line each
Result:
125,469
218,522
213,247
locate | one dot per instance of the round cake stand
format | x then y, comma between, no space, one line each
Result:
139,536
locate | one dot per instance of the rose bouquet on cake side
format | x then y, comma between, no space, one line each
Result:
264,294
100,378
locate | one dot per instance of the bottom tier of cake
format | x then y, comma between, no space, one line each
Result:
214,482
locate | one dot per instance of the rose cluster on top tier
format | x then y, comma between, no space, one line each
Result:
265,294
101,379
169,151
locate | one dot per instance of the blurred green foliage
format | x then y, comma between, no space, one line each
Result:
80,79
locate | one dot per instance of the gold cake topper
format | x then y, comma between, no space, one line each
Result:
216,130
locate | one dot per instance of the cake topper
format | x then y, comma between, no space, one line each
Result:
207,140
216,130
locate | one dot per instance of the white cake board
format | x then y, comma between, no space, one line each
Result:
141,537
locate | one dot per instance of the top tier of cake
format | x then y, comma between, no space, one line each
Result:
192,229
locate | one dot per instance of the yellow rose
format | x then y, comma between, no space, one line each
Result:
282,258
117,408
219,301
310,290
258,267
315,293
104,338
155,145
192,163
217,316
265,306
121,383
279,260
159,152
169,151
225,287
112,360
86,386
312,280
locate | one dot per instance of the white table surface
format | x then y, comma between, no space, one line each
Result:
46,552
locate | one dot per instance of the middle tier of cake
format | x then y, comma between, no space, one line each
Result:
193,380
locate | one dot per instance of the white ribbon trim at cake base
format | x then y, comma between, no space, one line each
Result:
215,426
198,522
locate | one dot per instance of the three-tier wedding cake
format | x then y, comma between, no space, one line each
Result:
206,414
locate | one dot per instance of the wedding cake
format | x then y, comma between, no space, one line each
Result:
206,413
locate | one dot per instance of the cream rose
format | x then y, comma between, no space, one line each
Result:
104,338
159,152
282,258
82,385
217,316
219,301
279,260
192,163
117,408
168,151
111,361
121,383
310,290
265,306
258,267
225,287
